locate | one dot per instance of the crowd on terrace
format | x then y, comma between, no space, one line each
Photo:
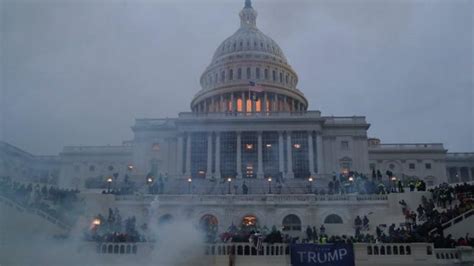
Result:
63,204
115,229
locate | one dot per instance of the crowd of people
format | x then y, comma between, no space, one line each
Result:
114,229
63,204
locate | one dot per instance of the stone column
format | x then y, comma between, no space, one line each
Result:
311,153
285,104
458,174
281,158
319,153
263,107
209,155
239,155
289,156
260,156
205,106
244,103
179,159
234,102
217,173
213,106
188,156
254,102
275,103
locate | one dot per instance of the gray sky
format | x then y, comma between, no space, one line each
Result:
79,72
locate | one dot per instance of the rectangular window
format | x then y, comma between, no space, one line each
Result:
231,74
257,73
344,145
274,75
427,165
266,73
411,166
239,73
248,72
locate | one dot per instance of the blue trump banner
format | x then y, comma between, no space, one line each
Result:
322,255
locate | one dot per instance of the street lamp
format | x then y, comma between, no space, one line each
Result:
270,185
229,180
149,181
190,180
394,180
109,183
310,185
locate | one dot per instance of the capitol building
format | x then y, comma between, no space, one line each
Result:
249,124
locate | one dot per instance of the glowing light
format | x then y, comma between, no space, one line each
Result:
249,146
190,180
269,179
351,178
130,167
229,179
96,222
149,180
201,172
297,145
109,180
310,179
268,145
394,178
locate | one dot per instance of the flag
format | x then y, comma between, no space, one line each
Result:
253,86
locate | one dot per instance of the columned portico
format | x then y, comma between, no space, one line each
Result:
260,173
209,155
217,173
289,156
281,158
188,156
179,156
239,155
319,153
311,153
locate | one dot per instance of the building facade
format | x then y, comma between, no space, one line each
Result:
249,121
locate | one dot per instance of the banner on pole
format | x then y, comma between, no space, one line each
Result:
322,255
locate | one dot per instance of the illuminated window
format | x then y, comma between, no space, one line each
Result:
258,105
249,105
249,221
239,105
155,147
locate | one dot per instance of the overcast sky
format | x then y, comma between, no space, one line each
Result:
79,72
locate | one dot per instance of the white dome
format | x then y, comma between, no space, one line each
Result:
248,57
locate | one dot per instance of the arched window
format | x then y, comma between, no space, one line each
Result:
209,223
333,219
291,223
165,219
231,74
249,221
281,77
239,73
274,75
222,76
266,73
248,72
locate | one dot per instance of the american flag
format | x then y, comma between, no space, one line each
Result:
253,86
